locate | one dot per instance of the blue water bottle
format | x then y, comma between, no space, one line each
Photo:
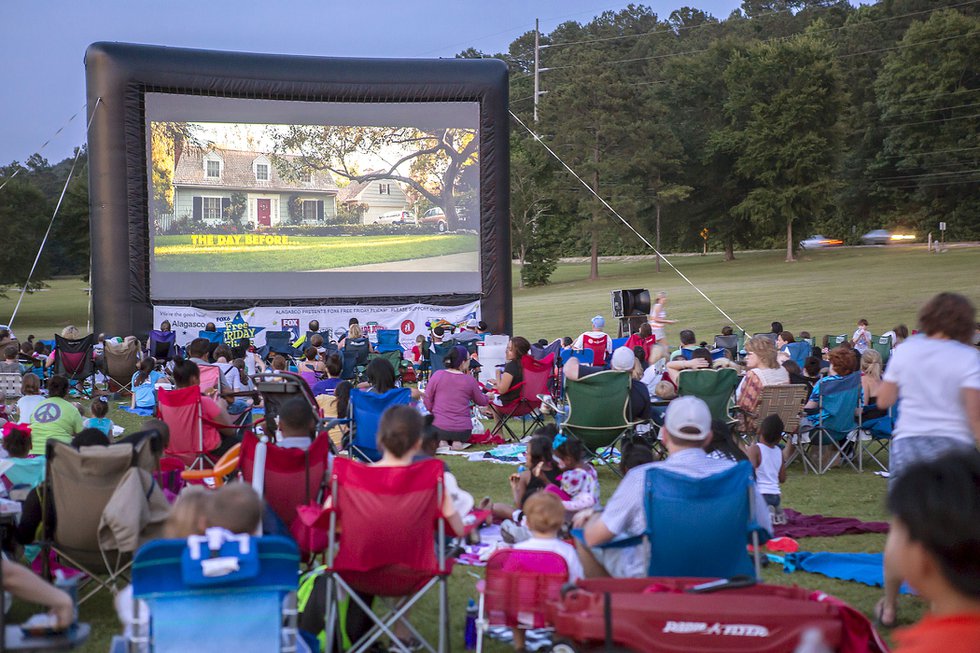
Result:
469,630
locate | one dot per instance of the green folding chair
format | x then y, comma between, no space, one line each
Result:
597,412
882,345
714,387
836,341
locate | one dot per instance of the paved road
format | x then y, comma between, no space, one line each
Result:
465,262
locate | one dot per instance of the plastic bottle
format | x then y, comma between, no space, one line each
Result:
469,630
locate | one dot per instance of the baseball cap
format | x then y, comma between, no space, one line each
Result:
472,324
598,321
688,418
623,359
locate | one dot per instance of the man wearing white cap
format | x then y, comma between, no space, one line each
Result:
597,340
687,426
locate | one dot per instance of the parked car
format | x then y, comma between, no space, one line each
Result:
397,217
884,237
435,216
819,241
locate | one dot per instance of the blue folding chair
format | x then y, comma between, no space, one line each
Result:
876,438
584,356
618,342
388,341
230,595
699,527
366,409
838,418
437,355
213,337
798,352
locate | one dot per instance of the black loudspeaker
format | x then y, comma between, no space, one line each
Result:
626,303
630,325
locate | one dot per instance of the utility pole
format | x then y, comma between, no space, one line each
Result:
537,70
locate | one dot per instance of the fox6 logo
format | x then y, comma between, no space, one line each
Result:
408,327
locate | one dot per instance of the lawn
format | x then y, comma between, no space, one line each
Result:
824,293
302,253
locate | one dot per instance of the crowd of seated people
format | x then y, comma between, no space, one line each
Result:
559,491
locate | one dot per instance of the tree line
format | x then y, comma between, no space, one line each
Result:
786,118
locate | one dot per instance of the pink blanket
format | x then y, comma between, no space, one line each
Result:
798,525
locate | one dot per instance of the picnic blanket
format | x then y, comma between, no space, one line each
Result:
865,568
798,525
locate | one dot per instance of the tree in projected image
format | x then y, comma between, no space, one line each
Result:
433,163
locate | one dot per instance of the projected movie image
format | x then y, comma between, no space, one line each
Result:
296,198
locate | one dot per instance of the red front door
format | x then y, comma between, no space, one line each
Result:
265,213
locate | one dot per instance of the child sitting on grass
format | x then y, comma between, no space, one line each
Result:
579,489
934,542
770,470
98,420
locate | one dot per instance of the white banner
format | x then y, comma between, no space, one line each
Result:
410,320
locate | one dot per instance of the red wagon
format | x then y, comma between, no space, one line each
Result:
662,615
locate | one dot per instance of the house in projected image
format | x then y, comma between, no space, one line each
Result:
232,186
381,197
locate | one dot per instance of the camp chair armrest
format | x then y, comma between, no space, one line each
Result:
327,424
617,427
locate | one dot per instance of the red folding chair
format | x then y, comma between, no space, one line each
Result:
537,378
598,348
392,545
518,589
210,377
190,440
287,478
636,341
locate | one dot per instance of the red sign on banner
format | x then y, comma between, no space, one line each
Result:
408,327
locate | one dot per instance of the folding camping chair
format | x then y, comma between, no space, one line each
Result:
714,387
729,344
121,360
183,413
598,348
798,352
837,420
875,437
699,527
584,357
213,337
204,593
552,348
437,355
10,385
836,341
883,345
73,359
355,356
162,345
597,412
79,484
783,400
280,342
287,478
365,412
517,589
393,546
225,468
537,375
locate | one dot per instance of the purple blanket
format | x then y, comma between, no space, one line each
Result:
798,525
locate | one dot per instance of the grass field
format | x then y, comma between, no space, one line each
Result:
303,253
825,293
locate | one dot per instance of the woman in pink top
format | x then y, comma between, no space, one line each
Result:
449,395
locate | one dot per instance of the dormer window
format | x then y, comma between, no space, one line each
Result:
261,172
212,168
306,176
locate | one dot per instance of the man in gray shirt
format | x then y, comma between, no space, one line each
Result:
687,426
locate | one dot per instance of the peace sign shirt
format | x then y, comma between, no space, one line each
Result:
53,418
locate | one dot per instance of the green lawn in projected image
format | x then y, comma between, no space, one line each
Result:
307,253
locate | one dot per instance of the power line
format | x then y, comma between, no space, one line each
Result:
928,174
40,149
57,208
623,220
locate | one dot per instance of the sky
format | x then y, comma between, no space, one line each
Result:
42,42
